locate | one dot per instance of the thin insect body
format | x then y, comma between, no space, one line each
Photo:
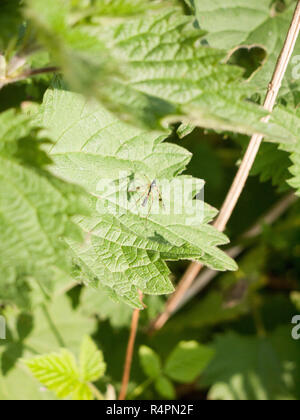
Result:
150,190
148,194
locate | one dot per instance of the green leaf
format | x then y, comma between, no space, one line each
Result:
165,388
187,361
59,325
82,393
126,247
92,366
54,326
229,23
252,368
150,362
272,164
58,372
97,302
291,120
20,385
36,208
100,303
150,68
82,57
124,8
238,24
64,32
172,73
274,160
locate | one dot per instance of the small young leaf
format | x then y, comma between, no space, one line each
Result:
58,372
165,387
150,362
92,366
187,361
82,393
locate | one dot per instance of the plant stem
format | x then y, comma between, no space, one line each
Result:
129,352
52,326
244,170
27,74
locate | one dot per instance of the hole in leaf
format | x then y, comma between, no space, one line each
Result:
251,58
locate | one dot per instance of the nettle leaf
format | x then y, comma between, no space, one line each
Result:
62,29
291,120
271,163
59,371
125,8
127,243
230,22
273,160
156,69
172,73
36,208
82,57
233,24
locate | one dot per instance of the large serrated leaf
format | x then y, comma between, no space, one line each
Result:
291,121
154,69
125,248
240,24
171,72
